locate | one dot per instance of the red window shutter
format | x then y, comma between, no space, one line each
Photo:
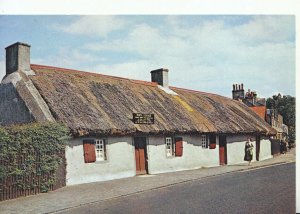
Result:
178,146
89,151
212,141
212,145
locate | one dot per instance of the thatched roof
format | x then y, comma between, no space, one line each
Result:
92,103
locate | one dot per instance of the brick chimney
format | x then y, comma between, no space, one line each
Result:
17,57
238,92
160,76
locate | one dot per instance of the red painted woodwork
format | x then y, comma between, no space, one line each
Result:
137,159
140,155
212,141
89,151
222,155
212,145
178,147
222,150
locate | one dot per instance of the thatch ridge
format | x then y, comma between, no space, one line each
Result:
93,104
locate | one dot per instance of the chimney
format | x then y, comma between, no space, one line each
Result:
160,76
17,57
238,92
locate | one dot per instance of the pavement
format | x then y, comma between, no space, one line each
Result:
83,194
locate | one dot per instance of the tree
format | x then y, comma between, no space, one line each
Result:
285,105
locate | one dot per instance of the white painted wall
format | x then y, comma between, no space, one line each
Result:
194,156
236,149
265,149
120,162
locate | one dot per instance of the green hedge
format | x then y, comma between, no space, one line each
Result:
40,145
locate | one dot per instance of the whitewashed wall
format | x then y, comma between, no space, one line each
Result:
236,149
194,156
120,162
265,149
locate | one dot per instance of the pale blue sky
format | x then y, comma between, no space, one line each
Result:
206,53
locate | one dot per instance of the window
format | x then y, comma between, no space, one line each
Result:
94,150
174,148
204,141
100,150
169,147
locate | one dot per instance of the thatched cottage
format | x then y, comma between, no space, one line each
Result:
123,127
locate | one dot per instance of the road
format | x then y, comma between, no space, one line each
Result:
265,190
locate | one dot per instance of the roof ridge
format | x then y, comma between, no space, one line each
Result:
194,91
143,82
98,74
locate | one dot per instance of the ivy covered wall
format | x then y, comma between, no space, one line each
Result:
30,156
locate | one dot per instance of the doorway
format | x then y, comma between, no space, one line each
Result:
257,139
223,150
140,145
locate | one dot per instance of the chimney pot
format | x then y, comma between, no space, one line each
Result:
17,57
160,76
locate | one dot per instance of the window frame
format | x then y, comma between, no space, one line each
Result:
205,143
170,147
100,152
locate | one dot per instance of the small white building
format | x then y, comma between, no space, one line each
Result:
123,127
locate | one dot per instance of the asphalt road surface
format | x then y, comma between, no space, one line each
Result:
265,190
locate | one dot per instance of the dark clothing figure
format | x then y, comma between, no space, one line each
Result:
248,152
282,147
290,145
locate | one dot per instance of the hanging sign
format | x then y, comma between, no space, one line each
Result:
139,118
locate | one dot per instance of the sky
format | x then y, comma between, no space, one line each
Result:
202,52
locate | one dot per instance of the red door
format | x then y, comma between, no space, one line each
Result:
140,155
223,150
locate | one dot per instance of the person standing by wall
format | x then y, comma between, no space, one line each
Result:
248,151
282,146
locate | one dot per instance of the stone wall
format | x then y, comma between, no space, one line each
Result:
12,107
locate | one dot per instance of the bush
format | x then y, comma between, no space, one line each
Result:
32,149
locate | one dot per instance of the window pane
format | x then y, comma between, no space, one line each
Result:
204,141
100,150
169,147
